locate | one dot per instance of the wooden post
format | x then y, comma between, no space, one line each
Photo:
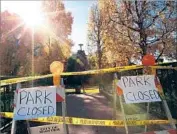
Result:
168,113
147,70
114,97
13,129
164,102
147,115
56,68
124,118
121,105
64,110
28,127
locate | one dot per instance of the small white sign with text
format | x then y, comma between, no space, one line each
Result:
137,89
35,102
48,129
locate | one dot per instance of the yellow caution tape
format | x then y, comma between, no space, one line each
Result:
100,71
163,67
23,79
90,72
86,90
93,122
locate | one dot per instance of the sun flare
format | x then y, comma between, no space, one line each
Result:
33,18
29,11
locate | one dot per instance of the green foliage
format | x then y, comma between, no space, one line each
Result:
77,63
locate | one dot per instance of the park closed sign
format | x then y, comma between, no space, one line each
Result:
138,89
35,102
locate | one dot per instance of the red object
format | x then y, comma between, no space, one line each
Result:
148,60
59,98
119,91
60,93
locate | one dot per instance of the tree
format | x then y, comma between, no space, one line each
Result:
76,63
95,32
111,46
147,24
128,30
57,43
51,42
13,55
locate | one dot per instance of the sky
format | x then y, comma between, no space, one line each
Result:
79,10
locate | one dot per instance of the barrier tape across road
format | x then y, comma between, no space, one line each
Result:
90,72
93,122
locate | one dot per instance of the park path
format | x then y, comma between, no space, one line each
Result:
94,106
91,106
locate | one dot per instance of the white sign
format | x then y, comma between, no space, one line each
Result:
47,129
138,89
35,102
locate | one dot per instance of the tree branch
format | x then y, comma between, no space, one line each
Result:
122,23
156,16
164,45
136,7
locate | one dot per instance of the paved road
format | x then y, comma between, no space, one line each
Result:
90,106
94,106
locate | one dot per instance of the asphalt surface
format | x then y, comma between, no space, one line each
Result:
94,106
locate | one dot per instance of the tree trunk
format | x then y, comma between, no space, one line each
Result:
143,43
99,54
